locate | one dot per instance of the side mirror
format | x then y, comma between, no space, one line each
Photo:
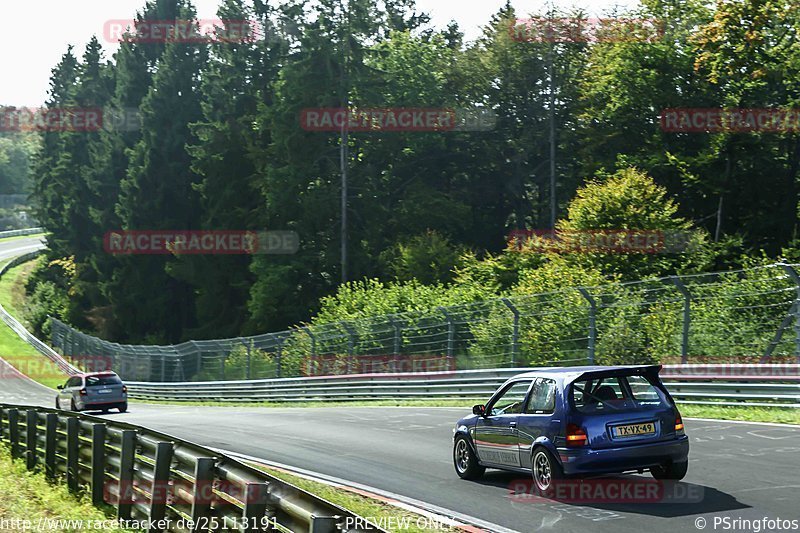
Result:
59,387
479,410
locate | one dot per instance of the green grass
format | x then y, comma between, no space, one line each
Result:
359,504
781,415
465,404
26,495
14,350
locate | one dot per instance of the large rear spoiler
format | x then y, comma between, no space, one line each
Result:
630,370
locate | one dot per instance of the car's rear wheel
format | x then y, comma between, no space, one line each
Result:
675,471
545,470
123,407
466,463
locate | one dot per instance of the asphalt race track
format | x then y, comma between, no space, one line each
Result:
747,471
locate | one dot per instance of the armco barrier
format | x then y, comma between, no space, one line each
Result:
751,385
150,477
18,232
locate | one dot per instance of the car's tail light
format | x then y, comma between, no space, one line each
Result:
576,436
83,392
678,423
124,388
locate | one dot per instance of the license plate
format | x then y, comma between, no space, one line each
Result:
104,391
633,430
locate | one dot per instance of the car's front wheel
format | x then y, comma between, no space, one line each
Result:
674,471
466,463
72,406
545,470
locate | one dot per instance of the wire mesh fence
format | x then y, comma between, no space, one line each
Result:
743,316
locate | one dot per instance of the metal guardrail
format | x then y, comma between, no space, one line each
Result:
64,365
750,385
150,477
18,232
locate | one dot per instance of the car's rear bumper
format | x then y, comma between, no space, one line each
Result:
88,404
633,457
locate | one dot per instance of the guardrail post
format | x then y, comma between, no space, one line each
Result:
127,455
592,323
796,278
255,506
514,331
203,493
451,331
73,475
50,441
160,489
13,431
687,317
323,524
98,462
31,421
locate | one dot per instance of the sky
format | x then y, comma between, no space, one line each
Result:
25,63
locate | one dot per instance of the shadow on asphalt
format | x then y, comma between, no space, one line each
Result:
687,498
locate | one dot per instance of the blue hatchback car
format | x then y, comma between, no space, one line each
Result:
576,421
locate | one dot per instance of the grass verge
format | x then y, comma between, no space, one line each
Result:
780,415
388,516
14,350
26,495
461,404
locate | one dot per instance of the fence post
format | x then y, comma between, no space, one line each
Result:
687,317
73,475
398,339
13,431
98,462
126,458
160,490
592,322
351,342
203,492
451,331
313,358
796,278
514,332
163,366
50,441
31,421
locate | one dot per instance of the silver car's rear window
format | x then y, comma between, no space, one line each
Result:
93,381
616,393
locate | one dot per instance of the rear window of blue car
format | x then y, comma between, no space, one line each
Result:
615,394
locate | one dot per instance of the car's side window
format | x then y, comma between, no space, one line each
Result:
512,401
73,382
543,397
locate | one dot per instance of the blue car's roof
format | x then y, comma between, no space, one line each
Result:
571,373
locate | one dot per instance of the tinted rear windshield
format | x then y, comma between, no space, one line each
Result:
616,393
93,381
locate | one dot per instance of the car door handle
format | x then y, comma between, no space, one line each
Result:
512,424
